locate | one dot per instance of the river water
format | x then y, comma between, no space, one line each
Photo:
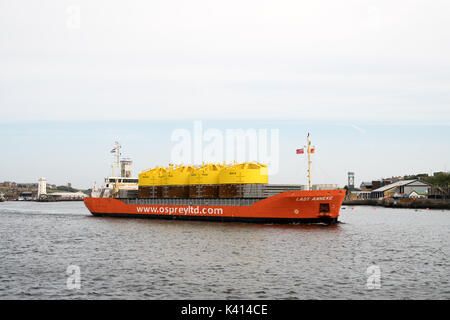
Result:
59,251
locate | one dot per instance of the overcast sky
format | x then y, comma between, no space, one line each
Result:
356,63
236,58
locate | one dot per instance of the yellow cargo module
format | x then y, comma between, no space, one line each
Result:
207,174
152,177
210,174
244,173
177,175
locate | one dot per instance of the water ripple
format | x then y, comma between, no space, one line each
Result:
159,259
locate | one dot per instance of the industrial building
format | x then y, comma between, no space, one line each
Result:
358,195
325,187
366,185
404,188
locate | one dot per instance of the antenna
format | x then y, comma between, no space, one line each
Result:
309,161
309,150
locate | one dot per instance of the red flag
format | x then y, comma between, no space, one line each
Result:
312,150
299,151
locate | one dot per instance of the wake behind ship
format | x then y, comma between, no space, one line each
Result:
214,192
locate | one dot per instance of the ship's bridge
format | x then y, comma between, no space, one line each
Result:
121,182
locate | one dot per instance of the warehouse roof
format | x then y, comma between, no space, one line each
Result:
398,184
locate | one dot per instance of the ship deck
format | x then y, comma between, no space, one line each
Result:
193,201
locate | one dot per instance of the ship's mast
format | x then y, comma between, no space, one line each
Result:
309,161
117,151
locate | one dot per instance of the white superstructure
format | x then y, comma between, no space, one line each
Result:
115,185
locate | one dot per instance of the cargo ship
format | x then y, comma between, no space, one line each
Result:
237,192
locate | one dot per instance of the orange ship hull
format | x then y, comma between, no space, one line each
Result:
286,207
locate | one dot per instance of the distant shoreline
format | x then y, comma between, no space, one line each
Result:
402,203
